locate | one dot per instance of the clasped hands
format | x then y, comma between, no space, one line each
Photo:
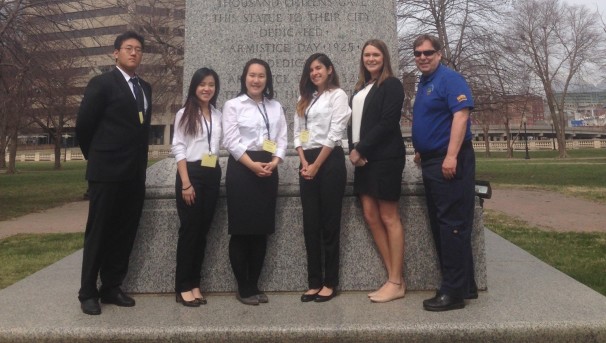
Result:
263,169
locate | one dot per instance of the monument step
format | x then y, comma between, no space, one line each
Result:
528,301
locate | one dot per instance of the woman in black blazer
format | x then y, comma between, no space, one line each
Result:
377,151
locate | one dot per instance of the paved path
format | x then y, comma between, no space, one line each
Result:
70,217
548,210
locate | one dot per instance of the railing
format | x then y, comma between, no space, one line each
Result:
542,144
162,151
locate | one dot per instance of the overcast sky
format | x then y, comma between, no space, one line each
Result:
590,3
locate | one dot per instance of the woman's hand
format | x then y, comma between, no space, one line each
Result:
357,159
189,195
310,172
261,169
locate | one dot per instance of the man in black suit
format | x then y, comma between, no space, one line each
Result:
112,129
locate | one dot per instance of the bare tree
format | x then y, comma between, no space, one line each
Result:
37,46
555,41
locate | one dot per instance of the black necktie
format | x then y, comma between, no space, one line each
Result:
138,96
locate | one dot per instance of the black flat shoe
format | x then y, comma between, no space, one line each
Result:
309,297
191,303
262,297
117,297
323,298
252,300
202,301
91,306
443,302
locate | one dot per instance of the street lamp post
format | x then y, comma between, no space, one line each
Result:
525,138
552,134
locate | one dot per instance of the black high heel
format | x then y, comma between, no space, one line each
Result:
192,303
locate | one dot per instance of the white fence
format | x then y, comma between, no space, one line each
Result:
158,152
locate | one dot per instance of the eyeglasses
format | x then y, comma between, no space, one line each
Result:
130,49
427,53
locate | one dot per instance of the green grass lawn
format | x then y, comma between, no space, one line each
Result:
583,174
580,255
24,254
37,186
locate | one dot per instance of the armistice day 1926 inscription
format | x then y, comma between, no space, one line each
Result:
224,34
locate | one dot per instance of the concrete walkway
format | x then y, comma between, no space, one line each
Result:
527,301
549,210
70,217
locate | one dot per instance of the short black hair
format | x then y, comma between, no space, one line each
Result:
128,35
268,91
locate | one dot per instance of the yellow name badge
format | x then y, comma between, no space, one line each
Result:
141,117
304,136
209,160
270,146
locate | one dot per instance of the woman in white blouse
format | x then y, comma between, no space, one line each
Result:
319,127
254,131
195,146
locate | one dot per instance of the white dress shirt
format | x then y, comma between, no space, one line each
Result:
190,148
357,106
244,127
327,117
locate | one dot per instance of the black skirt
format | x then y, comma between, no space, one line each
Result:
251,200
380,179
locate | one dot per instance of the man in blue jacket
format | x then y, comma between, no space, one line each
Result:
442,137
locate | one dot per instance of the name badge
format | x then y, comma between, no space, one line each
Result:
209,160
270,146
304,136
141,117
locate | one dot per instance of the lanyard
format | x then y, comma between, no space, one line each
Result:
309,108
209,131
265,116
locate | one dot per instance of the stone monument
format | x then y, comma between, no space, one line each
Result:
223,35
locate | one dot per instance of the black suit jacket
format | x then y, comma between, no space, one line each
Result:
380,135
109,130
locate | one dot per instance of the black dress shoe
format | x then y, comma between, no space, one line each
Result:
443,302
91,306
190,303
309,297
472,295
323,298
117,297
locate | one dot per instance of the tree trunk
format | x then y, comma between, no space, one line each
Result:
485,128
12,151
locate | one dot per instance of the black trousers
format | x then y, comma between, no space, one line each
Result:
113,218
322,200
247,254
195,222
450,205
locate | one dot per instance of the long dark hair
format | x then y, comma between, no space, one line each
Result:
268,91
364,75
307,88
191,119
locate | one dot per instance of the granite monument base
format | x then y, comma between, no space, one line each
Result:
152,265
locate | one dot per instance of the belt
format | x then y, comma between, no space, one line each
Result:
441,153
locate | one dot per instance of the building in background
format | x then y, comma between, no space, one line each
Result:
74,40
